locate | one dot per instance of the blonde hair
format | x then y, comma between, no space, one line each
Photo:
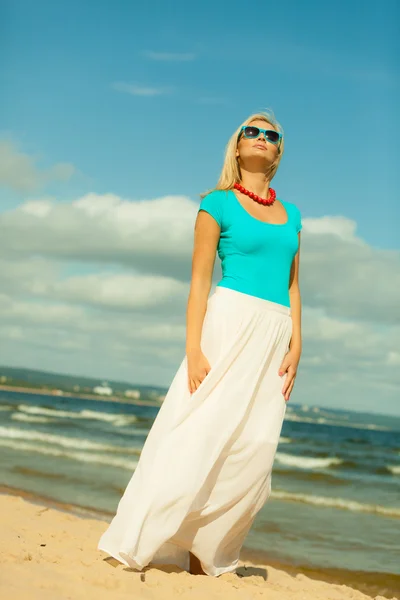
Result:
230,173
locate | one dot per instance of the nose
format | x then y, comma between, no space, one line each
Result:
262,135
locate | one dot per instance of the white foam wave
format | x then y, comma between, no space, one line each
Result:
134,432
101,459
117,420
306,462
395,469
31,418
66,442
294,417
341,503
284,440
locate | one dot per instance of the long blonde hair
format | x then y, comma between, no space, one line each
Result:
230,173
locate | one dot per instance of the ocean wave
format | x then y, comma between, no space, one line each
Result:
115,419
98,459
363,441
341,503
311,475
285,440
307,462
324,421
66,442
31,418
137,431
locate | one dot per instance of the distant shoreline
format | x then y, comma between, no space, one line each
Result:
52,394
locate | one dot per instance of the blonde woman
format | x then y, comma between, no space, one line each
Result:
205,468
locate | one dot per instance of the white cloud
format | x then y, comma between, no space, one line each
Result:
137,89
100,284
338,226
153,236
119,291
393,358
170,56
20,172
33,313
343,274
339,272
354,366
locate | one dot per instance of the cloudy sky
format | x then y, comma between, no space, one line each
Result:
114,118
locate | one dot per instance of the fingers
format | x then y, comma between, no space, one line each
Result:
284,366
289,383
289,390
194,383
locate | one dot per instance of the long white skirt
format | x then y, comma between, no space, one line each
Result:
205,468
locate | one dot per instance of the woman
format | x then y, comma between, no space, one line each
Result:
205,468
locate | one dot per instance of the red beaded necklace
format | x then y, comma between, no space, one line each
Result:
266,201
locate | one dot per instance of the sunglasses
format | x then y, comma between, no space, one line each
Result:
251,132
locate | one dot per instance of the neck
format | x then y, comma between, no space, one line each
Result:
255,182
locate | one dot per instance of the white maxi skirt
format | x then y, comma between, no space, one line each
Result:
205,468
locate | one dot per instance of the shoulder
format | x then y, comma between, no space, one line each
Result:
294,213
290,206
213,203
216,195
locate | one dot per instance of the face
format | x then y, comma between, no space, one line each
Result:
257,148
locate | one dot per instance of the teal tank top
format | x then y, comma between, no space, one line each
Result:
256,257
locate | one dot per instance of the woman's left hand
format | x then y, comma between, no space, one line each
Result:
289,365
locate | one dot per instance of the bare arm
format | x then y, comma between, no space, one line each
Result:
206,237
295,303
292,358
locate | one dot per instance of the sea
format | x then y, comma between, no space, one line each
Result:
335,499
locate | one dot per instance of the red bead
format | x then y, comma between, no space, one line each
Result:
265,201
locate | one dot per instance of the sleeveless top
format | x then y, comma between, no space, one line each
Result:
256,257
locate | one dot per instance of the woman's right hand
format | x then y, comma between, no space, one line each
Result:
198,369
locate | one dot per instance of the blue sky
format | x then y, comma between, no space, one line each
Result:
330,72
139,100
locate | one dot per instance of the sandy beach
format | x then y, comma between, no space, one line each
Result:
50,553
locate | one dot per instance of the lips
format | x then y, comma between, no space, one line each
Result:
263,146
